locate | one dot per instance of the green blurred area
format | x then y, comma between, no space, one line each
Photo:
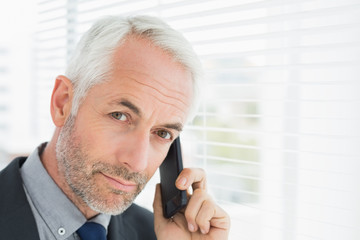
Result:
231,152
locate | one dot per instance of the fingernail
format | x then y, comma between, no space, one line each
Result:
203,231
191,227
182,181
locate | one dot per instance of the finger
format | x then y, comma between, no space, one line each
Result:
221,220
206,213
193,208
203,214
194,177
220,224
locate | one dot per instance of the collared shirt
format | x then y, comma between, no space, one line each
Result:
56,216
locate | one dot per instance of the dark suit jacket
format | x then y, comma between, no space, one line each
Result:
17,221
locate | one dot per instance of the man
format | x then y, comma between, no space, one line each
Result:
128,91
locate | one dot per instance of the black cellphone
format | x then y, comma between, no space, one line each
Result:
173,199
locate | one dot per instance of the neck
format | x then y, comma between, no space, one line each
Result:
49,161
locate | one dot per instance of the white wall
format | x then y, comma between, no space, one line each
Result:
17,26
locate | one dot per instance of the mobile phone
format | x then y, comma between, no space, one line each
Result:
173,199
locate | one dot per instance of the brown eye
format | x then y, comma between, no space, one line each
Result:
164,134
119,116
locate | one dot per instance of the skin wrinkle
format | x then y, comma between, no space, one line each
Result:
176,126
173,105
168,96
162,101
160,85
163,94
147,71
133,96
116,102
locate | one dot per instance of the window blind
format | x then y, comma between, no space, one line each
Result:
277,130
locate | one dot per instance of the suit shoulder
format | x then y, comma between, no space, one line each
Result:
135,223
138,214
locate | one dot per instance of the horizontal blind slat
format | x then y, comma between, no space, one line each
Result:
290,33
277,18
281,149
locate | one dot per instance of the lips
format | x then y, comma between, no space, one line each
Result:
120,184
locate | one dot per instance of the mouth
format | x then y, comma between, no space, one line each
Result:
120,184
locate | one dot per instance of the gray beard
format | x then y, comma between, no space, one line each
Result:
72,164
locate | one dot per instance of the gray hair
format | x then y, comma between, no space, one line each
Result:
91,62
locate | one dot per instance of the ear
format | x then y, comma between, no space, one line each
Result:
61,100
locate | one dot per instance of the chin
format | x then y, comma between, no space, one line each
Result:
114,204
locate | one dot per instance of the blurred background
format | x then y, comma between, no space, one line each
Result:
278,128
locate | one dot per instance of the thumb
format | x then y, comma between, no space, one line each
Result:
159,218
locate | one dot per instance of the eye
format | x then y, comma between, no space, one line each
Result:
119,116
163,134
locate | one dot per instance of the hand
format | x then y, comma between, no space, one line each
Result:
202,218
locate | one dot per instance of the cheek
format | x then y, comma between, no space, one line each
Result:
95,136
155,160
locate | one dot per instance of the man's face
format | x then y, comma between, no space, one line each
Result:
124,127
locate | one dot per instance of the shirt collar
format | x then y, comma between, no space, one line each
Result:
52,204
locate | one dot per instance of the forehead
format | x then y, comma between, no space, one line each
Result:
144,72
143,57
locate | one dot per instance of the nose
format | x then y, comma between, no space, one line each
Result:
136,153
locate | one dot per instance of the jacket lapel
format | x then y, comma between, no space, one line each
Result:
17,221
116,229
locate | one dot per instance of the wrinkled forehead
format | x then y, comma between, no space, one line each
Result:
147,77
173,94
136,50
154,69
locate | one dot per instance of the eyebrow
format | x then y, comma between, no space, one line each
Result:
129,105
176,126
124,102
